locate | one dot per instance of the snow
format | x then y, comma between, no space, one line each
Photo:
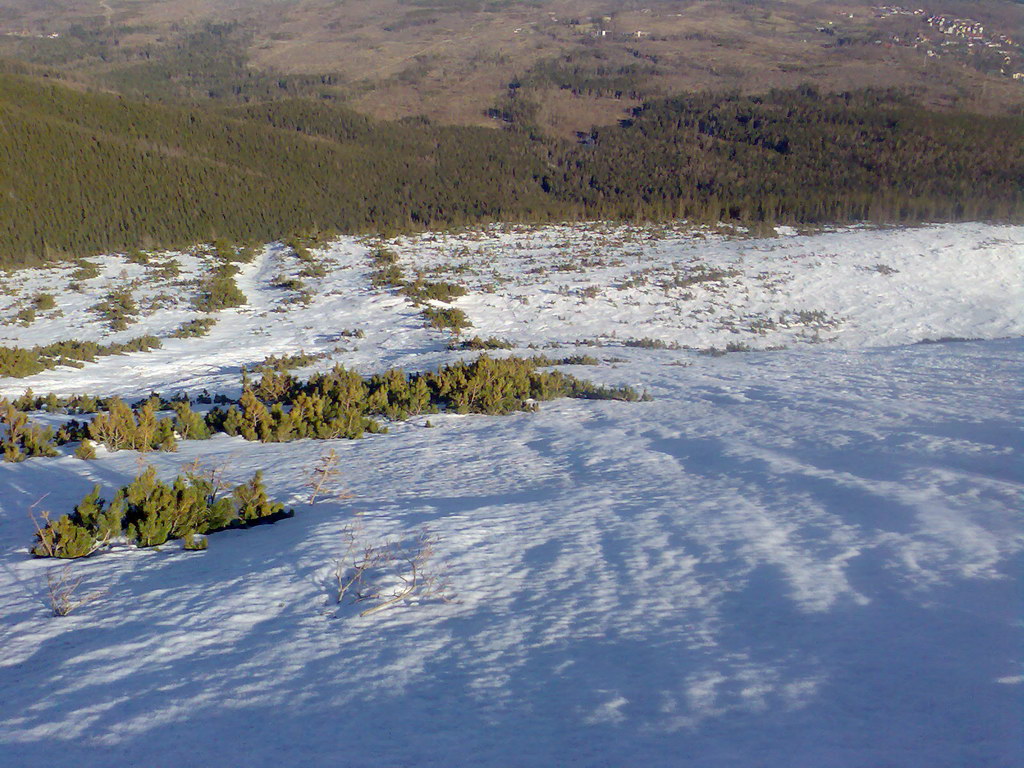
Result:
801,557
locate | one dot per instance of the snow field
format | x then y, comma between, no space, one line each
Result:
806,557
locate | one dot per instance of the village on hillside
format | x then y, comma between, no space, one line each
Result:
966,38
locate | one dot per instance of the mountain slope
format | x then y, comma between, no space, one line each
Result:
807,556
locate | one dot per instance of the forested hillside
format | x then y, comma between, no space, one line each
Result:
799,156
83,172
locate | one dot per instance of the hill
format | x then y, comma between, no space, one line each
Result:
83,172
806,556
585,63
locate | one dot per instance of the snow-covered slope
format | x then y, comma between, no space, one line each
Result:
802,557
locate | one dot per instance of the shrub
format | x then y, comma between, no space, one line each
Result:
26,315
220,291
18,362
200,326
52,403
732,346
62,591
390,276
64,538
122,428
276,386
311,415
577,360
698,274
189,424
251,502
314,270
447,318
478,343
341,403
168,270
79,534
86,450
150,512
85,270
288,283
229,252
138,344
22,439
648,343
194,543
386,272
387,574
421,291
287,362
118,308
44,302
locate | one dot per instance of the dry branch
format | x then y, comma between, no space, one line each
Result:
61,587
389,573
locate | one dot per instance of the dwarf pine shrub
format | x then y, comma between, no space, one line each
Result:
136,256
102,523
188,424
288,283
167,270
64,538
193,543
397,396
386,273
22,439
335,404
86,450
18,362
44,302
478,343
579,360
118,308
200,326
276,386
313,269
341,403
447,318
649,343
119,427
251,502
421,291
138,344
51,403
311,415
26,316
219,290
287,362
149,512
153,511
85,270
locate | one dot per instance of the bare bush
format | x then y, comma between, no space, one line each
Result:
213,473
61,589
323,478
389,574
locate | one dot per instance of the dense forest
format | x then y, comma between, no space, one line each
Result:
800,157
82,172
